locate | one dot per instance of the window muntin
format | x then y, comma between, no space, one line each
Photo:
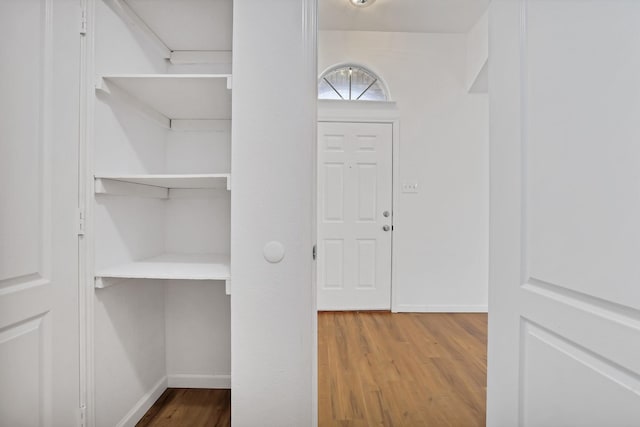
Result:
351,83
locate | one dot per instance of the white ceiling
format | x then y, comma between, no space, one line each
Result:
415,16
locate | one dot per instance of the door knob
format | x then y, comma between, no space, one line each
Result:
386,214
386,228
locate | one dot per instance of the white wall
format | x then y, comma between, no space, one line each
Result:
198,322
273,318
441,237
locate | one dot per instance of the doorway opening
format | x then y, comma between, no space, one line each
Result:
355,204
431,333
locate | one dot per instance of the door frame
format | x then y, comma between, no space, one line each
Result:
86,197
338,111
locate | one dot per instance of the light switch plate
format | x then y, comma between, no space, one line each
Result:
410,187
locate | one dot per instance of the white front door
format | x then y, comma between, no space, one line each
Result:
39,107
564,307
354,216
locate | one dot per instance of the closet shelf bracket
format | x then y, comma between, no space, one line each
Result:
111,89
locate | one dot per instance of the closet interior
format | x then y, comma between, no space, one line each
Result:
161,212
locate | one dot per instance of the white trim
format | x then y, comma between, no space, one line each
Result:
371,112
310,43
396,214
86,202
418,308
142,406
199,381
357,111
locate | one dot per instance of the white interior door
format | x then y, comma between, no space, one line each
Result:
354,218
564,308
39,83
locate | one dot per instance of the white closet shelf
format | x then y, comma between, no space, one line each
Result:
168,97
167,267
158,186
214,180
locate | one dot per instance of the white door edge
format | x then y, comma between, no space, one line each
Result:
372,112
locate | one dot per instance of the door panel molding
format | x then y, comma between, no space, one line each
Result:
622,314
29,235
25,348
26,182
545,224
542,348
21,283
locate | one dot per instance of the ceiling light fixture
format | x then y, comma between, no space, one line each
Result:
362,3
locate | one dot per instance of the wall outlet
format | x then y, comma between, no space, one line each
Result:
409,187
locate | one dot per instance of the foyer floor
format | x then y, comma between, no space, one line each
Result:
375,369
382,369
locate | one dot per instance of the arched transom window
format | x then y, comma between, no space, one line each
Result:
351,83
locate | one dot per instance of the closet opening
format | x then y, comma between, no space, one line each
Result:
160,230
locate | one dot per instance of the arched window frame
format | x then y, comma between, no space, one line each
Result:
377,79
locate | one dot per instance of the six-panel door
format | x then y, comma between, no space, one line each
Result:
354,218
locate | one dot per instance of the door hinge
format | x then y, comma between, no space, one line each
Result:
314,252
81,221
82,416
83,21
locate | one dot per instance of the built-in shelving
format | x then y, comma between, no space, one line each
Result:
158,186
159,165
167,267
173,97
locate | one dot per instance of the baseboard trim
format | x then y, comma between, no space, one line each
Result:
199,381
411,308
142,406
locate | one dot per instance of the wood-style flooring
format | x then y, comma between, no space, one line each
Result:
382,369
189,407
374,369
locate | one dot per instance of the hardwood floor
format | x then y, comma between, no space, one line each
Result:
182,407
382,369
374,369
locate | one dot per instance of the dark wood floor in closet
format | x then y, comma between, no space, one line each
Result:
375,369
183,407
